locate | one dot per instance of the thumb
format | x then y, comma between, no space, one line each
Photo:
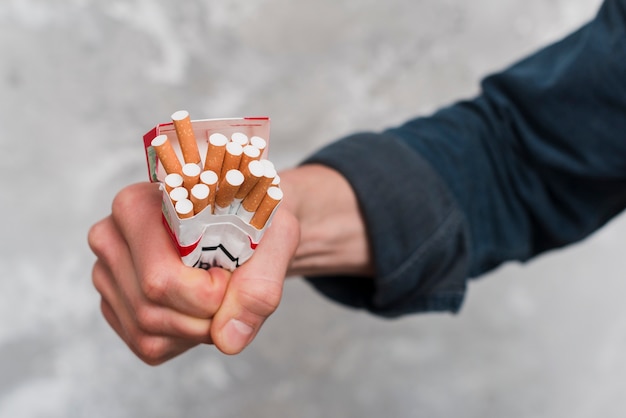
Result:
255,289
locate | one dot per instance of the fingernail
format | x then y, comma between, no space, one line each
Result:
237,334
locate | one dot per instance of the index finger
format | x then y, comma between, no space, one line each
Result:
162,275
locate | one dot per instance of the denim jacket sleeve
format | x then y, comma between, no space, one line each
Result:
535,162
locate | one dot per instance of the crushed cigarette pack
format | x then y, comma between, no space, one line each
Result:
217,208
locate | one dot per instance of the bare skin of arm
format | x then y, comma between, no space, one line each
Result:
162,308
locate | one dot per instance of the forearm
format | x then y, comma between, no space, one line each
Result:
537,160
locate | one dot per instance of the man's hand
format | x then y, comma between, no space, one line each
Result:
159,306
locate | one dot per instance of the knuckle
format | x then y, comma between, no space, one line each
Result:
148,319
98,237
261,297
152,350
123,200
154,285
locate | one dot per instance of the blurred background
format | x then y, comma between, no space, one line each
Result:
82,80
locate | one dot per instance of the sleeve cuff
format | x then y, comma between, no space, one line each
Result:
416,229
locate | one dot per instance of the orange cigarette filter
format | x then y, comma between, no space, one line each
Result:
186,137
191,175
252,201
232,158
199,197
166,154
228,187
251,174
184,208
273,196
215,153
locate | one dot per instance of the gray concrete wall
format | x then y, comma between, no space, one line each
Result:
82,80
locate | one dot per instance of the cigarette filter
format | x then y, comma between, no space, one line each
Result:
232,158
191,175
210,179
240,138
179,193
186,137
273,196
166,154
251,173
249,153
172,181
184,208
199,197
252,201
227,188
258,142
276,181
215,152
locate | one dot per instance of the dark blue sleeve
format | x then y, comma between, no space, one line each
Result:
535,162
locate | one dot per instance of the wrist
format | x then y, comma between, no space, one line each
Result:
333,233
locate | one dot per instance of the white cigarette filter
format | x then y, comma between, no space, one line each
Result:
215,152
276,181
273,196
186,137
251,173
167,155
199,197
184,208
227,189
252,201
210,178
258,142
172,181
179,193
248,154
232,158
191,175
240,138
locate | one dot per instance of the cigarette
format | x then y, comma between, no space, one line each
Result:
172,181
210,179
227,189
191,175
166,154
232,157
273,196
240,138
184,208
258,142
252,201
186,137
199,197
178,194
249,153
251,173
215,152
276,181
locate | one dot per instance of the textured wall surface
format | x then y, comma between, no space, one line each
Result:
82,80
